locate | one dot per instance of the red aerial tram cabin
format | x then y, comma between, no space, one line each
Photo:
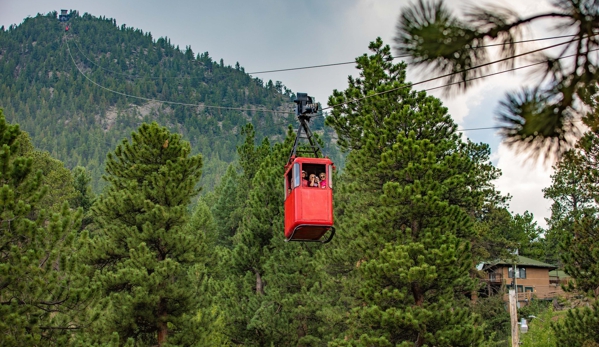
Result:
308,210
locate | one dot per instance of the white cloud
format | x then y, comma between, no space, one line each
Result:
524,180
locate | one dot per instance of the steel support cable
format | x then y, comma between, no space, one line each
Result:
398,56
309,66
481,77
166,101
351,101
409,85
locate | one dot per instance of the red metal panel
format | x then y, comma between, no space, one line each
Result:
314,206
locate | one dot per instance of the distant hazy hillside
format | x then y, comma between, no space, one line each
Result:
78,122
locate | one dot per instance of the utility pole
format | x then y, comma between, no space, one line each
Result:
515,275
516,281
514,317
513,302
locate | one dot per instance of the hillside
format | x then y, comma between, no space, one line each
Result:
79,118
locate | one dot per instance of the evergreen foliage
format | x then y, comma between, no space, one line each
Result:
271,294
42,285
403,207
235,188
141,250
575,207
526,234
253,243
83,196
579,328
574,191
415,208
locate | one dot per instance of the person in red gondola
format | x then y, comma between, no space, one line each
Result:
323,182
304,179
313,181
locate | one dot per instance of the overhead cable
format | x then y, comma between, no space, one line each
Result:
305,67
397,56
448,75
351,101
165,101
329,107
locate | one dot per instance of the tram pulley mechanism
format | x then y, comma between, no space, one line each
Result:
305,109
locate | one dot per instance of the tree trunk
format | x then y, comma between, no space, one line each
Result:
259,283
302,330
418,300
162,326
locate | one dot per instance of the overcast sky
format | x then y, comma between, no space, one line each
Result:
275,34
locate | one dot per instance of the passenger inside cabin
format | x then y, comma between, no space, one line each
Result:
304,179
313,182
323,181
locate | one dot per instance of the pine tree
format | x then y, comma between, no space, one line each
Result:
252,243
84,197
58,179
234,191
540,119
403,206
228,208
524,232
141,251
579,249
208,328
571,201
579,328
575,209
42,286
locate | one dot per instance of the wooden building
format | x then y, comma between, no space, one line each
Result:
531,279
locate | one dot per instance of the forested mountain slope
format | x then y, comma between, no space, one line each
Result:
79,118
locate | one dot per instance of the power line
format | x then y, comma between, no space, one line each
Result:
309,66
447,75
483,128
493,74
484,76
397,56
314,66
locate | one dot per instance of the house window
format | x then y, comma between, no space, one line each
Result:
520,272
528,289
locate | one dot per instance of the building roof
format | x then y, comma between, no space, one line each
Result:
558,273
521,261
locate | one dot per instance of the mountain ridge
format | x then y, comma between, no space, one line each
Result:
80,92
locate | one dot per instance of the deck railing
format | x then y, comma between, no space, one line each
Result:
495,277
539,294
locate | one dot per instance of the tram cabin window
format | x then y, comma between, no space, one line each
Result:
293,179
316,170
